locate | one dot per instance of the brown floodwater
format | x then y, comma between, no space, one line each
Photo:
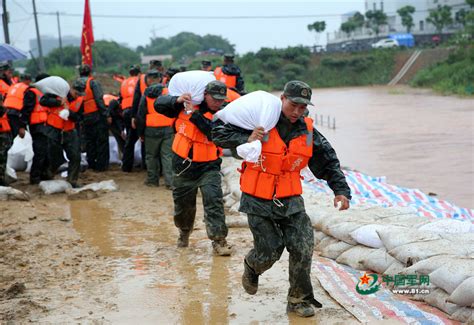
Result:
416,138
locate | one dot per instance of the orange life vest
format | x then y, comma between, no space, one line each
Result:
164,81
230,81
108,98
278,173
231,95
4,124
74,106
4,88
39,115
127,90
164,91
143,84
54,119
189,136
155,119
90,105
15,96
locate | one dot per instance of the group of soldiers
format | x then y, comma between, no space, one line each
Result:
184,143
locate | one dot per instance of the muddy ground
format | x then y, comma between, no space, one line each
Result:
113,259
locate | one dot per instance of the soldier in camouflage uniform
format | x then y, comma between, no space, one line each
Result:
5,142
191,172
283,222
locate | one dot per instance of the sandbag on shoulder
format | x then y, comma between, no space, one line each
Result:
193,82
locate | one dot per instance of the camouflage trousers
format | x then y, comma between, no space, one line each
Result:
40,168
69,142
159,155
5,144
271,236
184,196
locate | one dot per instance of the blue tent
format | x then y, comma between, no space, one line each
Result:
403,39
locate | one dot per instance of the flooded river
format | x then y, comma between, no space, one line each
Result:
416,138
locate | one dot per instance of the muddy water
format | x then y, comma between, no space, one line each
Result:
158,283
414,137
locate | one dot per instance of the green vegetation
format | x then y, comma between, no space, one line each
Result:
453,76
185,45
405,14
270,69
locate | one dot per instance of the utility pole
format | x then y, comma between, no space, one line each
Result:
60,40
5,20
38,37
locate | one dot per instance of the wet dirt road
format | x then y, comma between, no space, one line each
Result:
416,138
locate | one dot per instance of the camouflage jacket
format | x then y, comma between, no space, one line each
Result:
324,164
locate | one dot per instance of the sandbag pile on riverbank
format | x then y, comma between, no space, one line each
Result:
390,241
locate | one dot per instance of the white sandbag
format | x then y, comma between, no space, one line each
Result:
430,264
114,157
449,277
318,236
20,154
9,193
325,242
193,82
367,235
137,154
437,298
104,186
394,236
10,172
447,226
464,315
343,230
378,261
334,250
257,108
464,294
53,85
406,220
411,253
354,256
395,268
54,186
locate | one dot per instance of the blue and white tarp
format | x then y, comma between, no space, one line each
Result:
375,191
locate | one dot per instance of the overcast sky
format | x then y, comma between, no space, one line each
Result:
246,34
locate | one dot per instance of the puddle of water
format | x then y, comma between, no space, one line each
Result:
158,283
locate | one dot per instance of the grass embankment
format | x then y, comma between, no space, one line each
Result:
453,76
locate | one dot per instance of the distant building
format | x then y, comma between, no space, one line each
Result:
421,29
145,59
49,43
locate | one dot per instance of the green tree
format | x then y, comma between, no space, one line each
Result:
470,3
354,22
405,14
440,17
318,27
460,17
375,19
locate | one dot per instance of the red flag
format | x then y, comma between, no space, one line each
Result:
87,36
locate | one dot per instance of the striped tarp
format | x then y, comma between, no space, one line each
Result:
374,190
340,282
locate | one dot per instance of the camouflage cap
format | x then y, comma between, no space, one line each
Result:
298,92
217,89
229,56
79,85
153,73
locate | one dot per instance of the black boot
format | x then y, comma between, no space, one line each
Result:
249,279
183,240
